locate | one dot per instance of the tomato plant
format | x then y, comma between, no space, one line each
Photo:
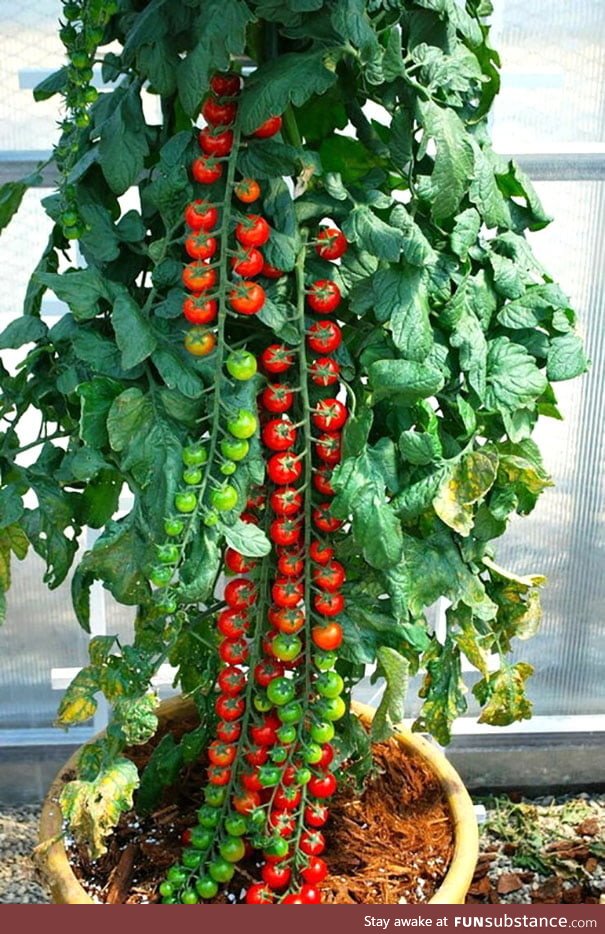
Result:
330,397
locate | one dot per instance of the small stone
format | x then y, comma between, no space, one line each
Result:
508,882
588,828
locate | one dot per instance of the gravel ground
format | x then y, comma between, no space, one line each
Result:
544,850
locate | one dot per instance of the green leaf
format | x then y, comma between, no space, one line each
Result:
268,159
508,280
291,78
162,769
443,690
177,373
199,572
24,330
53,84
414,245
80,289
115,559
372,233
347,156
96,398
11,506
454,161
123,144
136,717
389,714
566,358
134,334
92,808
420,447
12,540
408,380
485,193
513,379
503,695
11,196
417,496
248,539
465,232
467,484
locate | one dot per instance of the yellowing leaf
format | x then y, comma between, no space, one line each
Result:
92,809
470,480
503,695
78,703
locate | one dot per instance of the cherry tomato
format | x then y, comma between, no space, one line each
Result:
241,364
233,651
217,114
284,468
206,171
247,298
221,753
324,337
329,415
324,371
266,671
287,593
238,563
324,521
328,637
242,425
252,231
288,620
269,128
321,480
259,894
331,577
200,342
229,708
225,84
290,565
240,593
323,787
279,435
272,272
251,780
281,691
295,898
228,732
286,502
246,801
224,498
285,531
329,604
263,735
327,754
324,296
199,215
197,277
215,144
328,448
277,358
235,449
248,262
332,708
287,799
316,815
247,191
257,755
312,843
277,398
331,243
200,246
282,822
231,681
276,875
321,554
200,310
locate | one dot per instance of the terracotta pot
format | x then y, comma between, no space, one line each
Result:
66,889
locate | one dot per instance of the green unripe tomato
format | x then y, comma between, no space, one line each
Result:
243,425
168,554
325,660
234,450
173,526
189,897
191,858
73,233
168,606
322,731
332,708
166,889
313,753
170,901
269,775
257,817
160,576
286,647
281,691
287,734
221,870
78,59
262,703
241,364
232,849
192,476
236,826
206,887
208,817
195,455
177,875
279,754
70,219
276,847
211,518
201,839
185,501
214,795
330,684
302,776
71,12
90,95
225,498
291,713
82,120
68,35
228,468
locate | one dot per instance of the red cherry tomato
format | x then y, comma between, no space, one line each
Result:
199,215
287,593
240,593
251,781
285,531
327,756
197,277
248,262
247,298
225,84
284,468
283,822
247,191
233,651
331,243
277,358
289,621
269,128
290,565
324,521
215,144
312,843
272,272
221,753
228,732
324,296
200,246
276,875
253,230
328,637
321,554
279,434
200,310
277,398
232,682
324,337
310,895
328,448
229,708
206,171
257,755
321,480
266,671
237,563
323,787
324,371
294,898
264,735
259,894
219,775
218,114
316,814
246,801
232,624
286,502
329,604
288,798
329,415
331,577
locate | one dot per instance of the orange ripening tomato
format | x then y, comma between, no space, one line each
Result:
200,342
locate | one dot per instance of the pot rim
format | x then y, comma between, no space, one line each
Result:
66,889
